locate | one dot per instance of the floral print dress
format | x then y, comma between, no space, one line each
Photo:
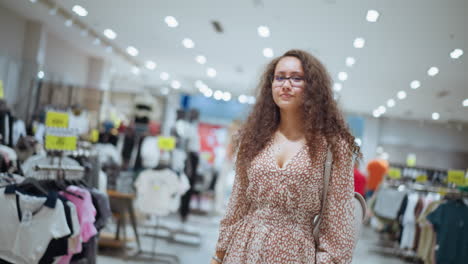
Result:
269,219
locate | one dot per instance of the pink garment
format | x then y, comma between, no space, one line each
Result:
86,217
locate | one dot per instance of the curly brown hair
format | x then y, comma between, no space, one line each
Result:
322,118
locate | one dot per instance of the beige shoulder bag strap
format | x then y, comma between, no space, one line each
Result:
326,179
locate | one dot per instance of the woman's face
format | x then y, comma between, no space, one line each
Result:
288,84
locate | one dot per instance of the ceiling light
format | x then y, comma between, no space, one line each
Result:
68,23
218,95
150,65
203,88
358,141
456,53
251,100
337,87
171,21
164,76
175,84
372,15
199,84
132,51
382,109
465,102
96,41
401,95
136,70
435,116
350,61
227,96
359,43
208,93
79,10
376,113
415,84
33,1
200,59
268,52
243,99
53,11
433,71
342,76
188,43
391,103
263,31
40,75
110,34
211,72
165,91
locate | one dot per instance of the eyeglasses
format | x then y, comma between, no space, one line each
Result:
279,80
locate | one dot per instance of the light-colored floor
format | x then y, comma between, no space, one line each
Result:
208,227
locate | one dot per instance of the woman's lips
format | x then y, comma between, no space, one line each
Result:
286,96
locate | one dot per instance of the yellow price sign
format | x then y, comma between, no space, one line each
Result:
421,178
60,143
2,93
57,119
457,177
394,173
166,143
94,135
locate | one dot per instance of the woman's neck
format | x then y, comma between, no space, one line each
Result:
291,125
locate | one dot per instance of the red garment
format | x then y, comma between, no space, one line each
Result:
359,182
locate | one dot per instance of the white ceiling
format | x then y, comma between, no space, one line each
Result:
409,37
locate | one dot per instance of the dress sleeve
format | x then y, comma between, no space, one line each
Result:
337,231
237,208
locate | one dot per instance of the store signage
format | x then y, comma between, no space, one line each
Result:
421,178
94,135
411,160
394,173
56,119
53,142
456,177
2,95
166,143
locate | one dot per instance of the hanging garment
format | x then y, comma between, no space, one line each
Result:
409,222
191,172
388,202
271,210
427,236
150,152
19,130
29,223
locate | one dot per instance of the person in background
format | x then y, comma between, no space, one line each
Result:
359,181
376,170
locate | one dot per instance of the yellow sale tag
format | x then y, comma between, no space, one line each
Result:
421,178
94,135
156,187
394,173
60,143
166,143
57,119
2,94
457,177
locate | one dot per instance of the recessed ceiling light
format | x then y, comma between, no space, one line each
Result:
218,95
68,22
456,53
165,91
164,76
415,84
251,100
110,34
40,75
97,41
268,52
211,72
337,87
243,99
227,96
376,113
188,43
199,84
263,31
132,51
465,102
391,103
79,10
433,71
401,95
372,15
203,88
435,116
136,70
359,43
171,21
200,59
382,109
150,65
208,93
175,84
350,61
342,76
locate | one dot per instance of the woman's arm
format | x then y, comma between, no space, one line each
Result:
337,232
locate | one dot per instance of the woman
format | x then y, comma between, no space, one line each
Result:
279,172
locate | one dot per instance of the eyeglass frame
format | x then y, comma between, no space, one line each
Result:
290,79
